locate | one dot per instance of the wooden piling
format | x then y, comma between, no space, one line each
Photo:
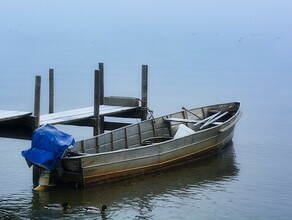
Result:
51,91
144,97
37,100
96,129
101,79
101,95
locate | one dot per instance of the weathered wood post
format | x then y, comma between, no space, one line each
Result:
101,94
96,128
37,100
101,78
144,98
51,90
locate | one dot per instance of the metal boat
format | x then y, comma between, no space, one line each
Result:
149,145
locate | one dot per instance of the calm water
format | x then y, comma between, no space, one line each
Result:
198,52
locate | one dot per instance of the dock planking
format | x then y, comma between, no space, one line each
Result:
6,115
81,114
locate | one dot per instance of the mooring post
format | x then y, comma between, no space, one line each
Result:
96,128
37,100
51,92
101,79
144,98
101,94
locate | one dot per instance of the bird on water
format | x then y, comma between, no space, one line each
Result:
58,207
92,209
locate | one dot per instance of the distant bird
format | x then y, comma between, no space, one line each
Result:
58,207
95,210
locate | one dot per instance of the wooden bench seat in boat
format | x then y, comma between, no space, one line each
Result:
182,120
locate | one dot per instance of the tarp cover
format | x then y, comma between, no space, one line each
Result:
48,147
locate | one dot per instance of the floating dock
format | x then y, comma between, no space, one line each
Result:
112,106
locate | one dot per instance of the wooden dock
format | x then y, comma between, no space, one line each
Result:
12,115
65,117
68,117
94,116
79,117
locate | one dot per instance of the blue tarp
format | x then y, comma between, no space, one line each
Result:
48,147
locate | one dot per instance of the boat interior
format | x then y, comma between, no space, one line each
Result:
157,130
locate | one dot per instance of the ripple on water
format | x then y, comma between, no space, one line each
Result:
170,192
16,206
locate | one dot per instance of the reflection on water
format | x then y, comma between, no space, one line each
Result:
134,198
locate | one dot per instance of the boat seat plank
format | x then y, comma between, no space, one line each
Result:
185,120
180,120
189,121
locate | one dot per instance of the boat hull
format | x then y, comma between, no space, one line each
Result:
125,169
103,167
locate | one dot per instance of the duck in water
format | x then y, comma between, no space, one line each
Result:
58,207
92,209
